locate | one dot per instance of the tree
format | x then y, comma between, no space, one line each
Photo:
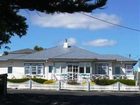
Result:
37,48
11,23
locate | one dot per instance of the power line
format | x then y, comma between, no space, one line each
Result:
122,26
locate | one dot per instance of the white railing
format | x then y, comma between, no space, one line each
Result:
63,85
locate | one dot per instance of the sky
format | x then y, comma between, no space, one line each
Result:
48,30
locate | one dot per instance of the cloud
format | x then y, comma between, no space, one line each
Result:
74,21
101,42
72,41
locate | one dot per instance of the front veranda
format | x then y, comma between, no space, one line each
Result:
79,71
87,71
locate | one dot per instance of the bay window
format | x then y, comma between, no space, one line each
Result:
117,70
101,68
34,68
128,69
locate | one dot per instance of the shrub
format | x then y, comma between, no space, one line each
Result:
49,82
109,82
84,83
104,81
39,80
73,82
92,83
127,82
18,80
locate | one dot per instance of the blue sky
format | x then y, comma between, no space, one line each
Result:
52,30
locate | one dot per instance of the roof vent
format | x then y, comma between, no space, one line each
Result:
65,44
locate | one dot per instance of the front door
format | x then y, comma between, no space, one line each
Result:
72,72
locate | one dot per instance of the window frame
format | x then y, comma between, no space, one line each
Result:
115,73
88,69
128,71
10,68
50,70
80,69
28,68
102,67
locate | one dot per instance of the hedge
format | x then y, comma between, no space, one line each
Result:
49,81
128,82
109,82
39,80
73,82
104,82
18,80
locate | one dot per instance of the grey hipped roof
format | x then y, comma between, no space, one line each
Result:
23,51
59,52
16,54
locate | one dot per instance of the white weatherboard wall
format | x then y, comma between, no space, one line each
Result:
3,67
17,69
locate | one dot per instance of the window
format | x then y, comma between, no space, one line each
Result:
69,68
102,68
129,69
27,69
81,69
10,69
34,68
117,70
87,69
50,69
75,69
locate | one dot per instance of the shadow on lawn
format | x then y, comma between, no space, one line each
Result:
41,99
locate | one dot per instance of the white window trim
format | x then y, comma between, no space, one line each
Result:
97,65
36,65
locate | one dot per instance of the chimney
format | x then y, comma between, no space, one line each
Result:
65,44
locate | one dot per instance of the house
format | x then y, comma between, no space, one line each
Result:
65,63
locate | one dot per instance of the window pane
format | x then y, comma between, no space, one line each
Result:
27,69
87,69
39,69
33,69
129,67
75,69
81,70
10,69
69,68
50,69
101,68
117,70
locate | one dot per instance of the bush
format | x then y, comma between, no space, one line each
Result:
18,80
127,82
73,82
39,80
109,82
49,81
104,81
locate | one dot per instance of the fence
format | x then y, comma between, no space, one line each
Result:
62,85
3,84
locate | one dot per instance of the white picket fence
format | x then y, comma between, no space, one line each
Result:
62,85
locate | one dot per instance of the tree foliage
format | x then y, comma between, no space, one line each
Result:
11,23
37,48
